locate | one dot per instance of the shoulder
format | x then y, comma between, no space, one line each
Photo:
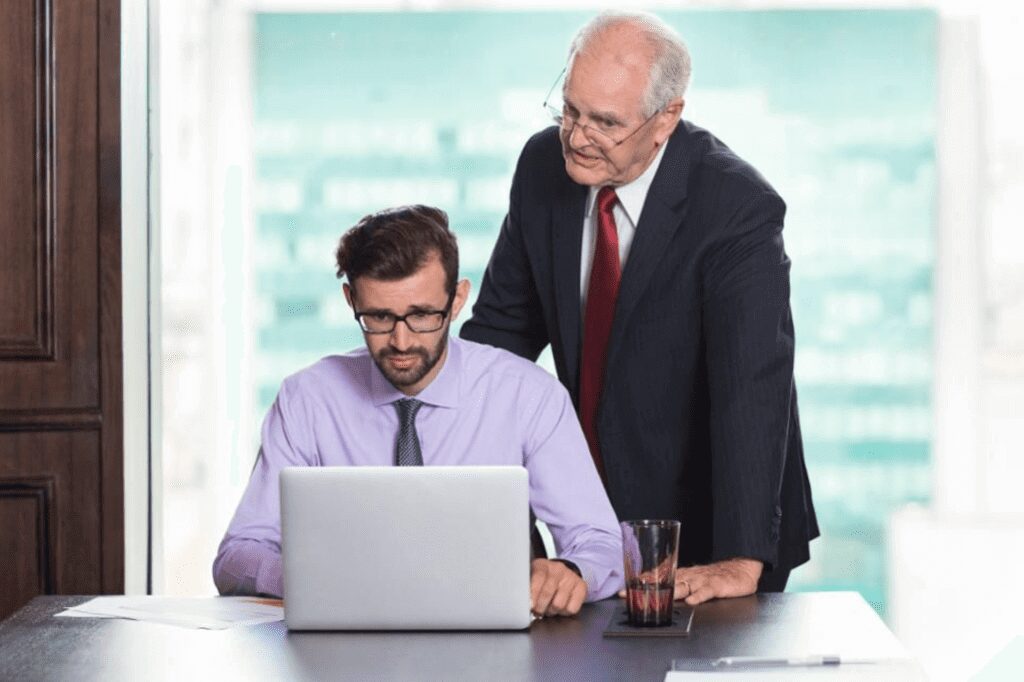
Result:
543,147
724,194
326,376
541,165
501,369
712,163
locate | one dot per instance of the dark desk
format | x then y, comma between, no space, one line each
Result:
34,645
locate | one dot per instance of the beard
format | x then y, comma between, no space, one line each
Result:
426,360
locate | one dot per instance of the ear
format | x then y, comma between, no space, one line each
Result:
348,295
461,296
668,119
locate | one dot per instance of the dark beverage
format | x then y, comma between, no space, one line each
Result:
648,603
649,553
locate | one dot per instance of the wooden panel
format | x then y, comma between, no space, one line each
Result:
51,158
50,420
60,299
111,360
70,463
27,538
26,188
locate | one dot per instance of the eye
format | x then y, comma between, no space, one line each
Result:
380,317
420,317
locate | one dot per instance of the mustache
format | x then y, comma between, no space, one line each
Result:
415,350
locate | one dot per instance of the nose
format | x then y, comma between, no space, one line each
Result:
577,128
401,336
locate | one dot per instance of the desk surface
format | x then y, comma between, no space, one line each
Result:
34,645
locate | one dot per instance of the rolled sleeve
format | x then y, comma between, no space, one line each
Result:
566,493
249,557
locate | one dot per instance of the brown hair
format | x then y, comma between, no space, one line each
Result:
394,243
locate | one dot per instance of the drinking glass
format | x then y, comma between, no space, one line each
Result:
650,551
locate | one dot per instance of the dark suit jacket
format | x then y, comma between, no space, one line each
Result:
698,416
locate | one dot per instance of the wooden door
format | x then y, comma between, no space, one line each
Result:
61,482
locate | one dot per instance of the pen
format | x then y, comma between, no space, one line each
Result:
738,663
774,662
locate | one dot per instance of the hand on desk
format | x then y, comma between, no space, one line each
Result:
555,590
729,578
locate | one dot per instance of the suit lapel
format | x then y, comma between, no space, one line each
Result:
567,240
661,217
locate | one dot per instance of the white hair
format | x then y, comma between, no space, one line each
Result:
670,69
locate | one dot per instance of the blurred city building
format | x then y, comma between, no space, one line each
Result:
893,135
318,119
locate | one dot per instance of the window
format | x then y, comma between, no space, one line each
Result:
280,130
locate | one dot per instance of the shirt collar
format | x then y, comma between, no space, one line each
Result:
633,194
443,391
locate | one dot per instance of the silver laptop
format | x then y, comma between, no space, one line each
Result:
406,548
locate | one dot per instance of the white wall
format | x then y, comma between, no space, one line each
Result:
135,272
955,598
954,572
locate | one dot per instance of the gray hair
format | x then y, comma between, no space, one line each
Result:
670,70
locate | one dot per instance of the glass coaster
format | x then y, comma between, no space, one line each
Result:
682,619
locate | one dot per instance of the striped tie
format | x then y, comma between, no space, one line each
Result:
407,446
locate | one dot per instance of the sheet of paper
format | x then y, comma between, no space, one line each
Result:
206,613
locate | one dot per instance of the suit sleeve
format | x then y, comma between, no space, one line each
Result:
507,312
249,557
750,344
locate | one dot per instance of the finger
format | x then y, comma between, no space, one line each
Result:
538,575
568,590
682,590
683,584
579,595
622,594
700,595
545,593
702,589
560,600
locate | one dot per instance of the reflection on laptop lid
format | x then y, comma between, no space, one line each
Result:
406,548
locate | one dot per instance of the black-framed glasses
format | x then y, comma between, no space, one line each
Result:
598,137
418,321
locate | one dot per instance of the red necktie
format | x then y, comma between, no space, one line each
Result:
597,323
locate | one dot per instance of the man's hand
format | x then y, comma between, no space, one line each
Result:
729,578
555,590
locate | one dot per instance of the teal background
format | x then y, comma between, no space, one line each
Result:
354,112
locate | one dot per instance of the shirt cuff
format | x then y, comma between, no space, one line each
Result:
572,567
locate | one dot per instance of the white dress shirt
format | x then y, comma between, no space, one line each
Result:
627,214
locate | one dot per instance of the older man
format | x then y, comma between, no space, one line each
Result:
650,257
414,397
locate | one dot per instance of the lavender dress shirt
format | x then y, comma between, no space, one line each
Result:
486,406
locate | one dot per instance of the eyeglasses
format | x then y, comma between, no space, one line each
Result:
418,321
567,122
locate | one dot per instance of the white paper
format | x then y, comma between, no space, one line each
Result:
205,613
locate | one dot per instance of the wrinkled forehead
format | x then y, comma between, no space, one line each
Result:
601,80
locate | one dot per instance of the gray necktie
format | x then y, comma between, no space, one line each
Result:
407,446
